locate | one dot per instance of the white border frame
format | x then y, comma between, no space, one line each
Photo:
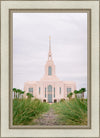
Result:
5,6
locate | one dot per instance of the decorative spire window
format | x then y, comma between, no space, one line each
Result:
49,70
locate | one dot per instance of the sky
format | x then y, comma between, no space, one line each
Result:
31,33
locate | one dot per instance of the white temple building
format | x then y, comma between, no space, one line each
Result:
50,88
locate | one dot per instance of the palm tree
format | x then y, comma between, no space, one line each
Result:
22,92
19,92
15,91
70,95
82,90
29,95
76,92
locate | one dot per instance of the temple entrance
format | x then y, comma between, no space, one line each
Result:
49,98
49,94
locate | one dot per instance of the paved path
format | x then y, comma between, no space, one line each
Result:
48,118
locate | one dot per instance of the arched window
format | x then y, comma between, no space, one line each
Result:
39,90
60,90
45,92
54,92
50,94
49,70
49,88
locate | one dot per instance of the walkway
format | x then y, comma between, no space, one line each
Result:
48,118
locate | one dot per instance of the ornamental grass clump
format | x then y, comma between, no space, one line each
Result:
72,112
26,110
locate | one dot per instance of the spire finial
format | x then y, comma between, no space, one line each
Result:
49,55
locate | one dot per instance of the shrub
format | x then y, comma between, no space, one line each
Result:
70,95
29,95
62,100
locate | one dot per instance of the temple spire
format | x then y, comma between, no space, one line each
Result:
49,54
49,43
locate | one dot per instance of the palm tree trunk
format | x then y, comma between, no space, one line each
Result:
83,95
14,95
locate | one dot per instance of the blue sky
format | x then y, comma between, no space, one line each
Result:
68,33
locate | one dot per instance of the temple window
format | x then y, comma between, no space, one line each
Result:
39,90
45,92
68,90
49,70
60,90
49,88
54,92
30,89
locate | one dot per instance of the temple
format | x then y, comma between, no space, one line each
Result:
49,89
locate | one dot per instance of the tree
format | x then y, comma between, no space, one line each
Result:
76,92
22,92
70,95
15,91
82,90
19,92
29,95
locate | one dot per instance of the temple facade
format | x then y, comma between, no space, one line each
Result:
50,88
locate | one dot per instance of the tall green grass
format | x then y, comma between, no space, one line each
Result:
72,112
25,110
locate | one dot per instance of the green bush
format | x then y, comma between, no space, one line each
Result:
25,110
73,112
62,100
